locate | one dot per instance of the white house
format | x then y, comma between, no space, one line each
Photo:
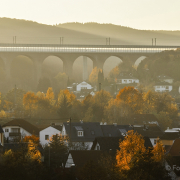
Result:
83,86
126,80
46,134
18,129
163,87
164,78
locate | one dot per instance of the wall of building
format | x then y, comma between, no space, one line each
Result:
83,85
22,131
48,131
163,88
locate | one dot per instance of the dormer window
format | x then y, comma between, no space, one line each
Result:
80,133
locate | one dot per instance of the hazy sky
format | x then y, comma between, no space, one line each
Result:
140,14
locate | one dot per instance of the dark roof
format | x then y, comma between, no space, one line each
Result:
150,130
143,118
107,143
175,148
1,129
90,130
58,127
170,136
114,130
24,124
112,143
81,157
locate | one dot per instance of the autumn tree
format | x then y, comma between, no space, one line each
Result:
132,98
93,77
65,103
100,101
132,144
116,111
30,103
136,162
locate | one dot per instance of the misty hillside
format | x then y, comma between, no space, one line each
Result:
125,35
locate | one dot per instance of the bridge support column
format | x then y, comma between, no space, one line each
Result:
37,71
85,70
99,62
7,65
68,68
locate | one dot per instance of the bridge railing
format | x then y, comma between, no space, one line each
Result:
84,48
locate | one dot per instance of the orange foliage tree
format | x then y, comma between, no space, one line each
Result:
129,147
133,98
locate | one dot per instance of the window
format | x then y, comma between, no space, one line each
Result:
80,133
6,130
46,137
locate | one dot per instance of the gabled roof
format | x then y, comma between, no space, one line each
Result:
24,124
114,130
108,143
112,143
81,157
175,148
150,130
170,136
90,131
58,127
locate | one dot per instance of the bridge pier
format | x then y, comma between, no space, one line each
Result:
7,59
85,70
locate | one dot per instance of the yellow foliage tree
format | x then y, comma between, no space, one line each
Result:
132,144
93,77
30,102
158,151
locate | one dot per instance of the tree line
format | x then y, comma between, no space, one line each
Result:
101,107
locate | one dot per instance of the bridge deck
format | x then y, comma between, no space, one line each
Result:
69,48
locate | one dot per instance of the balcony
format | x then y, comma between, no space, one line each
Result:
15,134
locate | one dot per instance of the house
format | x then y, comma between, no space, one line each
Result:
163,87
107,144
84,86
164,78
79,158
121,79
141,119
153,131
111,144
18,129
82,132
46,133
115,130
168,138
